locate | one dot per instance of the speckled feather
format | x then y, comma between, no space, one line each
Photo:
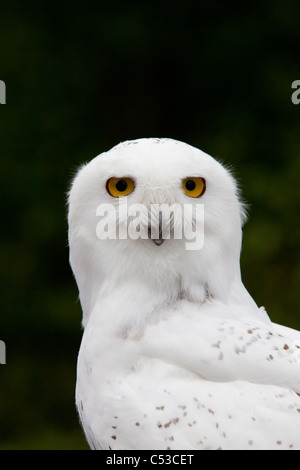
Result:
175,353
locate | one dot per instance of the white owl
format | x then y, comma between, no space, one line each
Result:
175,353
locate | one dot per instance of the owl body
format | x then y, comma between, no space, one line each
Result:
175,353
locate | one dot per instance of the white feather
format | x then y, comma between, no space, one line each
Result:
175,352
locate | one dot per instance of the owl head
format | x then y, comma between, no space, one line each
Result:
159,213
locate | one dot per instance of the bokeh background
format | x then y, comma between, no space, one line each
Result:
82,77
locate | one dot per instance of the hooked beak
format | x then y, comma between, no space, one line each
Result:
158,240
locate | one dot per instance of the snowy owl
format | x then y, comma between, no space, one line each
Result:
175,353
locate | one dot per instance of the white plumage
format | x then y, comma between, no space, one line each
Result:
175,353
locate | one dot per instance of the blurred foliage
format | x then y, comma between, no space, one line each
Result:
82,77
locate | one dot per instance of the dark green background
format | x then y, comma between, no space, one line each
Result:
82,77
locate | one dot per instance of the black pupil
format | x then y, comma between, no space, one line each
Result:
190,185
121,186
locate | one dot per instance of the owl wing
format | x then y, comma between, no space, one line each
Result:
224,348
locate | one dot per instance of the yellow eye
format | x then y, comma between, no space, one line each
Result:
118,187
193,186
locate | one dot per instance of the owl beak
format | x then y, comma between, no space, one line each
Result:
159,240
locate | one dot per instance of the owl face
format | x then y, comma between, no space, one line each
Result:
157,190
157,206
